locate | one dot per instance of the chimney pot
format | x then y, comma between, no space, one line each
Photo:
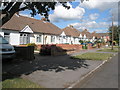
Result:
43,19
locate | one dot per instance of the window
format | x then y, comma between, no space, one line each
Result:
24,38
64,37
52,38
38,39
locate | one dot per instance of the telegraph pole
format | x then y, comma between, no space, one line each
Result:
112,31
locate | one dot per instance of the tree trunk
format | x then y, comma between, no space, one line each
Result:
10,13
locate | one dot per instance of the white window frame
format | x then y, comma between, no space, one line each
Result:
52,38
39,38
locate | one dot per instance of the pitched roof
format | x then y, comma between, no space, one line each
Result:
95,34
88,34
98,35
18,22
103,34
71,31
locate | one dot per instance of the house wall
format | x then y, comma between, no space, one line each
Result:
14,38
45,38
2,33
68,40
76,40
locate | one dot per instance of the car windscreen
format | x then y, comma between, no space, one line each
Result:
3,41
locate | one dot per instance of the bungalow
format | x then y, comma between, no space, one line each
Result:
22,30
72,35
87,35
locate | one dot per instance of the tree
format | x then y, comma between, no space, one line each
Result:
41,8
115,34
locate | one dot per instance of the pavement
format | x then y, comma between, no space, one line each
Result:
51,71
105,77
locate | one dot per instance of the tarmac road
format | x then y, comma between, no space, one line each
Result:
105,77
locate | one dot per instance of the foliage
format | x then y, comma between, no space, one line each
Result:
45,50
94,46
81,41
32,44
97,41
93,56
84,46
88,42
41,8
19,83
116,33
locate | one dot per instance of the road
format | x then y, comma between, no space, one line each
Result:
105,77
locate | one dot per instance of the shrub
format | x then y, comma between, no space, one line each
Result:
32,44
84,46
81,41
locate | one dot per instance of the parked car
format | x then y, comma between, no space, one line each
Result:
6,50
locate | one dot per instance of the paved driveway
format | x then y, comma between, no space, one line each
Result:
49,71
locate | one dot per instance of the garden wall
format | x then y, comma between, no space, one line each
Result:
66,46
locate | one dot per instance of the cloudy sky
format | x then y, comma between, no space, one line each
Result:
94,15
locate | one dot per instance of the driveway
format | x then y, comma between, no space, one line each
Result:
49,71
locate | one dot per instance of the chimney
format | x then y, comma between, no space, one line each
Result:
86,30
43,19
94,32
71,26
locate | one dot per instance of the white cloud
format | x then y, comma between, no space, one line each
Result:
101,30
93,16
27,15
99,4
90,25
62,13
102,5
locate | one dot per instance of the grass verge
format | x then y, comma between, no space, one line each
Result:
108,50
93,56
116,46
19,83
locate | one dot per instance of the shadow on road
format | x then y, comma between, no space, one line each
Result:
17,67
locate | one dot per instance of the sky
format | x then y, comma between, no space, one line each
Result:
93,15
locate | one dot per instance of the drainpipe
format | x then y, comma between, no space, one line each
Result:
43,38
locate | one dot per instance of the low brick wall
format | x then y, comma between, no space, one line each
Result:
70,46
64,46
55,50
58,49
89,46
39,46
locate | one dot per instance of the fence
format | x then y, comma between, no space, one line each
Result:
24,52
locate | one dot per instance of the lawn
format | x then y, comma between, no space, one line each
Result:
108,50
116,46
19,83
93,56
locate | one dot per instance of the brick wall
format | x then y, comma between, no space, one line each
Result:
89,46
71,46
